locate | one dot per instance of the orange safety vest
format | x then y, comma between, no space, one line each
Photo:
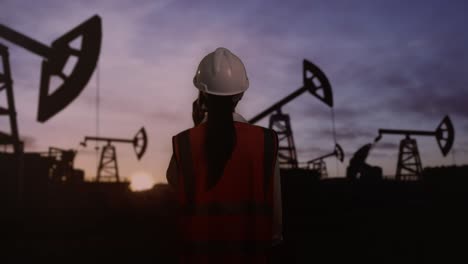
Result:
231,222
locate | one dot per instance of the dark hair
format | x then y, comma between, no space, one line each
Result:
220,136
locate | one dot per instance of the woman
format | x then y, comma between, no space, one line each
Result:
225,173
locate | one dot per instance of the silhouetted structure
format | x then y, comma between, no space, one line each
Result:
62,169
329,219
319,164
6,84
28,173
409,165
108,169
55,59
458,175
316,82
359,169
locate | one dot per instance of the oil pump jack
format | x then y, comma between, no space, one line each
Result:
318,85
55,58
52,100
108,169
409,165
6,84
319,165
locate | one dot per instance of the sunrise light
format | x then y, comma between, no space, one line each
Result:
140,181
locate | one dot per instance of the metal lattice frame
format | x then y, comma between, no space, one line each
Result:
321,167
108,169
287,154
319,164
409,165
6,84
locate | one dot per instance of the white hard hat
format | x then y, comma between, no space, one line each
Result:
221,73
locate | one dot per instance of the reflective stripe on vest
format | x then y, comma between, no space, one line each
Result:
236,215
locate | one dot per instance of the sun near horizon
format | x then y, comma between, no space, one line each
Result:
141,181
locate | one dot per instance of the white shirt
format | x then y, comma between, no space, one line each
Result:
171,176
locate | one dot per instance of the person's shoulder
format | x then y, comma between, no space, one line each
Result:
188,130
183,132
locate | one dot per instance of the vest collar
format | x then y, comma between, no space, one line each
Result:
235,116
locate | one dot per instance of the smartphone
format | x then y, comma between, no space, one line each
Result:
199,109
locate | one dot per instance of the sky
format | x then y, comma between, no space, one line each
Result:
391,64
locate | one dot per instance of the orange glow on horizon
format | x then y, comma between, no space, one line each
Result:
141,181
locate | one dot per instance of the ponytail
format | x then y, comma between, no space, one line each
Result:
220,137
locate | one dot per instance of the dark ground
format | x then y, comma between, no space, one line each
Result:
331,220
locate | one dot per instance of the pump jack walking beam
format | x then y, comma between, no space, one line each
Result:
314,81
444,134
338,153
409,166
55,59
